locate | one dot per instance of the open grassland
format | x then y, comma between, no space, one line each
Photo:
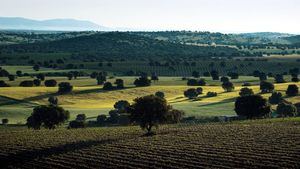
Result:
271,143
16,103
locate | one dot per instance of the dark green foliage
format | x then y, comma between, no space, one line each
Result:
292,90
202,82
81,117
11,77
295,79
50,83
47,116
285,109
195,74
245,91
192,82
275,98
266,87
108,86
191,93
224,79
4,121
3,84
142,81
101,119
37,82
77,124
70,76
41,76
215,75
149,111
36,67
160,94
119,83
121,106
228,86
199,90
297,105
262,76
3,73
101,77
19,73
64,88
279,78
233,75
211,94
26,83
53,100
254,106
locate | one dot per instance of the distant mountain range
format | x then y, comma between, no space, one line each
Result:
18,23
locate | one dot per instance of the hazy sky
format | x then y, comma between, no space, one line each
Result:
210,15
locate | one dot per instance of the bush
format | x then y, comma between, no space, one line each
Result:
64,87
254,106
228,86
77,124
266,87
211,94
3,84
37,82
47,116
50,83
26,83
191,93
107,86
4,121
160,94
285,109
275,98
292,90
246,92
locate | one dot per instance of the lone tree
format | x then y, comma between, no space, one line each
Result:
254,106
266,87
292,90
119,83
142,81
228,86
246,92
50,83
47,116
150,111
64,88
285,109
191,93
275,98
108,86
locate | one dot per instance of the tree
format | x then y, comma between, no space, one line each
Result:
3,84
224,79
50,83
233,75
191,93
154,77
101,78
201,82
292,90
4,121
107,86
11,77
19,73
195,74
142,81
262,76
279,78
70,76
101,119
36,67
228,86
80,117
266,87
160,94
297,105
40,76
122,106
211,94
119,83
26,83
149,111
199,90
64,88
295,79
285,109
275,98
253,106
74,124
37,82
246,92
215,75
192,82
53,100
48,116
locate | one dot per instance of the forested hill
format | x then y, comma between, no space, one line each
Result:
117,44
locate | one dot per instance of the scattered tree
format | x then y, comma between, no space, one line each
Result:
64,88
266,87
275,98
50,83
292,90
228,86
246,92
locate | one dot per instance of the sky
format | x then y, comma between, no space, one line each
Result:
228,16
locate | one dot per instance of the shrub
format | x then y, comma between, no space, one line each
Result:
275,98
292,90
3,84
107,86
4,121
47,116
228,86
254,106
50,83
211,94
174,116
26,83
37,82
285,109
191,93
246,92
160,94
64,87
266,87
142,81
